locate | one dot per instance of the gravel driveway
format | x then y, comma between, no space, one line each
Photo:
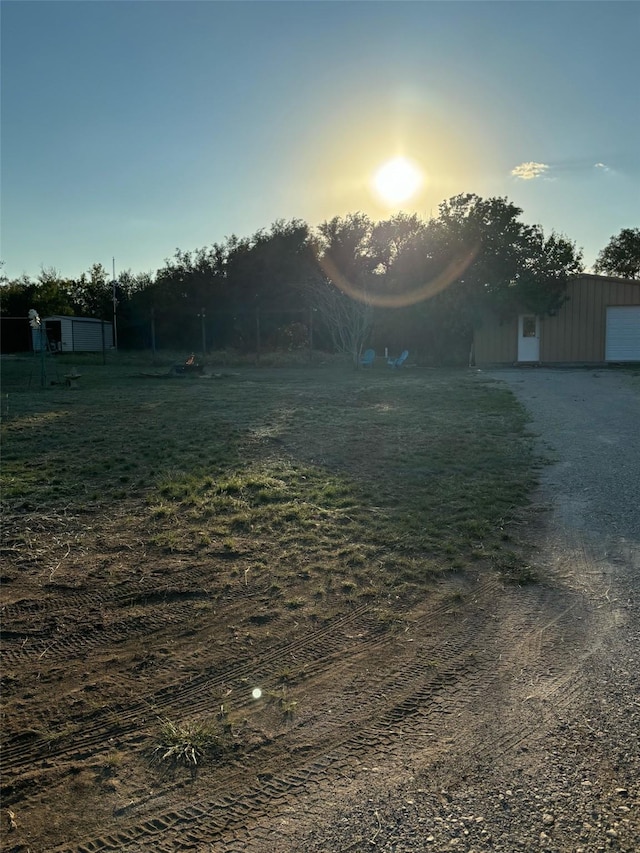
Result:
590,421
548,756
587,424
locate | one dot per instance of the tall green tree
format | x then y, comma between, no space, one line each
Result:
92,293
621,255
225,286
48,294
511,265
476,256
267,276
133,309
189,285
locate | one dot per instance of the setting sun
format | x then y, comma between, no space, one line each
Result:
397,180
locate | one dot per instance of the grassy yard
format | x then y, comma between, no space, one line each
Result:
321,480
203,576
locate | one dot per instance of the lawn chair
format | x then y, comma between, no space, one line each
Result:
400,360
368,358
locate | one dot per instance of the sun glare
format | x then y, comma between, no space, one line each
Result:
397,180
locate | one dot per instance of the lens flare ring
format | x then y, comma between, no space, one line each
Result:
444,279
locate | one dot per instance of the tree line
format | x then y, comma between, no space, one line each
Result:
401,283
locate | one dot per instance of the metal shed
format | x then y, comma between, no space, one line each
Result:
599,323
74,334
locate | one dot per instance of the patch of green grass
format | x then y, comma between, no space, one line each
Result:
378,481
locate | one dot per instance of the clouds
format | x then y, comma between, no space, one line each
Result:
530,171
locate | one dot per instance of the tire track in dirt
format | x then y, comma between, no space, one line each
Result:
89,636
415,695
321,650
317,649
17,648
425,728
27,608
548,661
234,803
426,725
409,702
193,579
318,645
186,574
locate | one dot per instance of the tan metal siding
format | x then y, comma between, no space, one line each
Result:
496,342
576,334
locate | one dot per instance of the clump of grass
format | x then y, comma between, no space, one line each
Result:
191,744
513,569
113,761
280,698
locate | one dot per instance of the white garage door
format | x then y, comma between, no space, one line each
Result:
623,333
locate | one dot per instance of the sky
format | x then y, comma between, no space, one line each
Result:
131,128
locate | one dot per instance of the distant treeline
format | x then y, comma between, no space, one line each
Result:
349,283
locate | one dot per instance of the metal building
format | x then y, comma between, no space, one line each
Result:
74,334
599,323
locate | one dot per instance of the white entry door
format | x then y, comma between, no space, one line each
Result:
528,337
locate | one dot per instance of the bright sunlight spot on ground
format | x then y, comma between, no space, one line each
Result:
397,180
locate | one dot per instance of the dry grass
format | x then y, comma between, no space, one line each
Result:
344,480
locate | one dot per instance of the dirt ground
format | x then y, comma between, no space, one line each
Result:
487,717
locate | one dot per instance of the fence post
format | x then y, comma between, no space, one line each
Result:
153,335
257,334
204,332
43,337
